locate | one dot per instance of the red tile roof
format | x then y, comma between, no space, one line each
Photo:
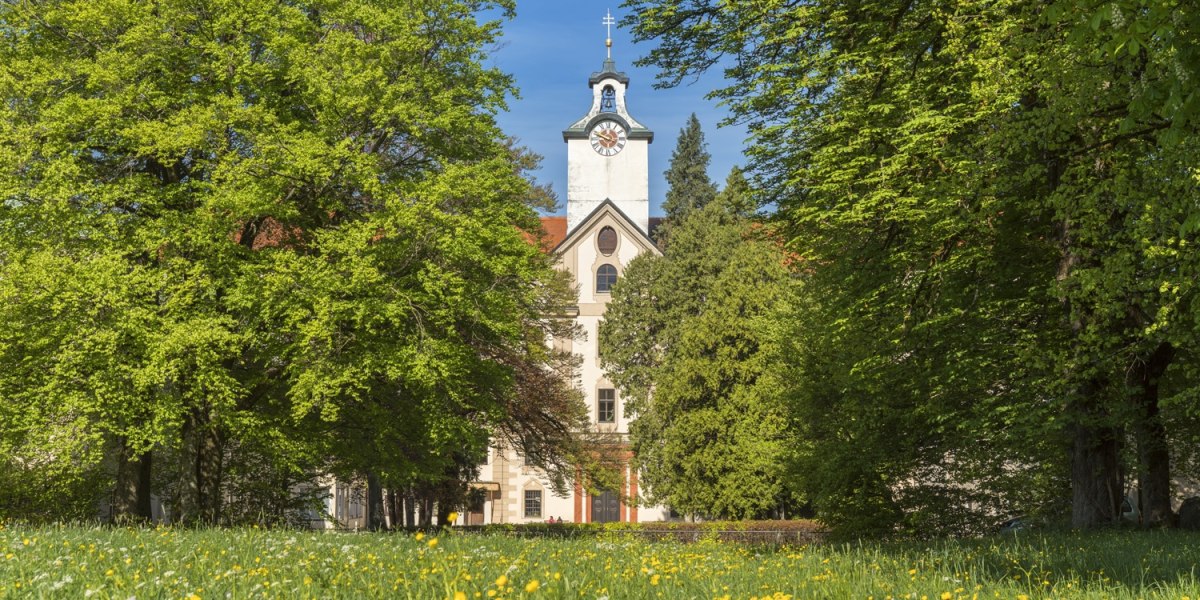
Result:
267,232
555,229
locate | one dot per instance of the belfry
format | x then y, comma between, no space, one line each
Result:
608,152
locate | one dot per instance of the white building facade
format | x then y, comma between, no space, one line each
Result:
607,226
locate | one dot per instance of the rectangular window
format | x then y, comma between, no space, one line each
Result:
533,504
606,406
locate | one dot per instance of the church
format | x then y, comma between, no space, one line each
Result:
607,225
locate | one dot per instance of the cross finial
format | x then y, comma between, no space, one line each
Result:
608,22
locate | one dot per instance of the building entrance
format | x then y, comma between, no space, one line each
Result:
606,508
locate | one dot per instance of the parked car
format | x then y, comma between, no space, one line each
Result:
1131,508
1015,524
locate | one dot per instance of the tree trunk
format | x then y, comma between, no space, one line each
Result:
131,498
1154,461
209,472
144,470
443,513
1097,486
425,510
199,500
188,499
388,515
394,505
1096,482
374,503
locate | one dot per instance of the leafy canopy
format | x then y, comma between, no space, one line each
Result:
291,226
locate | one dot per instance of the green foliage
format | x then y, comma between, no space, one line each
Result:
995,206
737,195
264,239
687,338
759,534
688,185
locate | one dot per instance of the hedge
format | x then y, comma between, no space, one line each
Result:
767,532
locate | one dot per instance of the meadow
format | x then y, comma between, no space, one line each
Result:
83,562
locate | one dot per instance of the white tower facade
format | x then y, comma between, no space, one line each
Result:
608,154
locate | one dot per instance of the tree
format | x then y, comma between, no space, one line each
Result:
265,239
688,185
686,338
737,196
990,199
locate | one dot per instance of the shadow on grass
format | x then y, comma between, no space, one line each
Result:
1046,560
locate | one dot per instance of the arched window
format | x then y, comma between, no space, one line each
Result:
607,240
608,99
606,276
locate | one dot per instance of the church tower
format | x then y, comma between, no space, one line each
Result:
608,153
606,228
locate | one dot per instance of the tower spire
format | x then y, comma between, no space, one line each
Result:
608,22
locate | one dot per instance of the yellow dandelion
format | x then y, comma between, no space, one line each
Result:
451,518
532,586
460,596
502,581
654,579
420,536
491,593
433,542
947,595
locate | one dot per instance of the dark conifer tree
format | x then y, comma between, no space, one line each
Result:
687,178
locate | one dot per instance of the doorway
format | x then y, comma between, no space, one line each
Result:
606,508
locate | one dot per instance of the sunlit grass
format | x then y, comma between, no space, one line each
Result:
72,562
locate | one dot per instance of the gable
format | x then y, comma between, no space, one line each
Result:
606,215
591,258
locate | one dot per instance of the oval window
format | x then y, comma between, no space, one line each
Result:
607,241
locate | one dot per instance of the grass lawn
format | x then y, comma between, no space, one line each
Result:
79,562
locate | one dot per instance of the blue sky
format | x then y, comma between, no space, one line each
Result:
553,46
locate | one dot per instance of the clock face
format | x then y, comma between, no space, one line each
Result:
607,138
